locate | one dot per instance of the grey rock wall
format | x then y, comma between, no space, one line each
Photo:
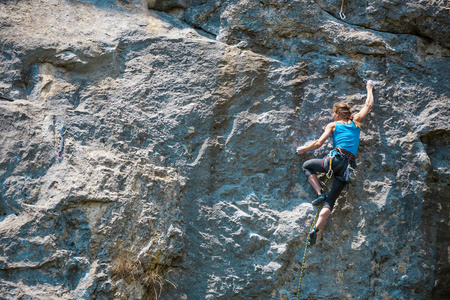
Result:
179,177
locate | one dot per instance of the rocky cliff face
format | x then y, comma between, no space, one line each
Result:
179,167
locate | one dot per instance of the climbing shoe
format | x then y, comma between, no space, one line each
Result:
319,200
313,236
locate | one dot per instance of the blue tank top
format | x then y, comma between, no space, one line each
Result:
346,136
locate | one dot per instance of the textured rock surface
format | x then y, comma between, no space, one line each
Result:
183,118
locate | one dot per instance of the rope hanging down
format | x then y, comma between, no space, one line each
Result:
341,13
324,184
304,254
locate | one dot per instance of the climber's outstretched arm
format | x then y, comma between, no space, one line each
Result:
318,143
368,105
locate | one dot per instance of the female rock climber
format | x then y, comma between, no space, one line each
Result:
345,130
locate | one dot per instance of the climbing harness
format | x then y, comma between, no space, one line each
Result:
350,172
62,133
328,176
341,13
330,170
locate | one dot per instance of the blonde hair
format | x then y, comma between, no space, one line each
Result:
345,112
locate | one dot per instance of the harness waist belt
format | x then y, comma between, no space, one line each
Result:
341,152
345,152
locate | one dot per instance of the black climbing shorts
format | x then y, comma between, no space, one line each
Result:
338,165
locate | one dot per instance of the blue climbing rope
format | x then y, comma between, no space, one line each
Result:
62,133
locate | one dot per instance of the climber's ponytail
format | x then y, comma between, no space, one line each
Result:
345,112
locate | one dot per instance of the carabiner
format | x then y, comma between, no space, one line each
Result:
329,174
63,131
330,169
